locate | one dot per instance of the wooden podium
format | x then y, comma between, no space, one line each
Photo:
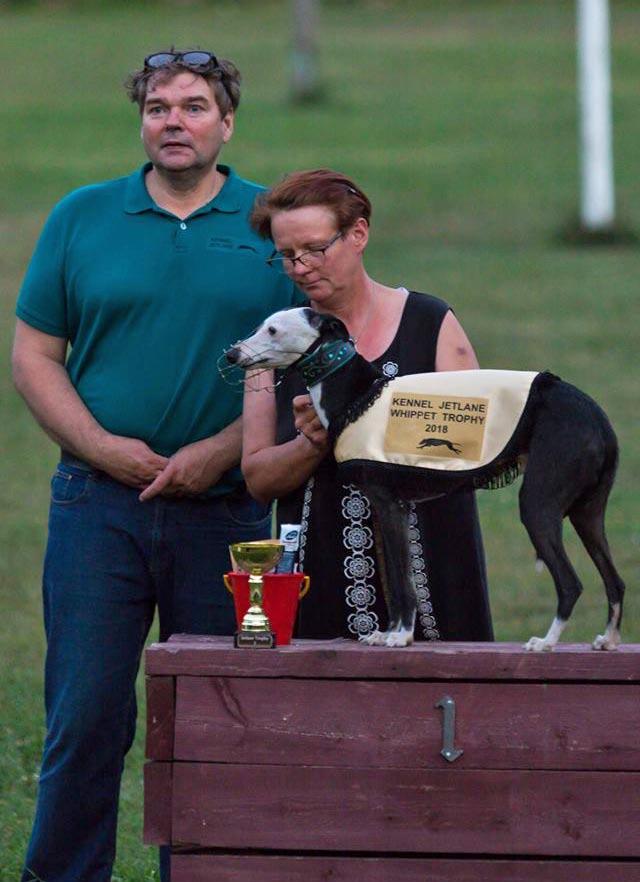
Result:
444,762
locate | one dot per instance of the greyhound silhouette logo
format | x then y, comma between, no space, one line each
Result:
440,442
436,426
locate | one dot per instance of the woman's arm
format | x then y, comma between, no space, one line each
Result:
271,469
454,352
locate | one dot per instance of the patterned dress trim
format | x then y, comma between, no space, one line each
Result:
360,566
426,618
304,520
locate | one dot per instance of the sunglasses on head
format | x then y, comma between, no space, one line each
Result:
194,60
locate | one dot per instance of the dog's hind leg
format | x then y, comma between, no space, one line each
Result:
543,521
571,458
394,566
588,519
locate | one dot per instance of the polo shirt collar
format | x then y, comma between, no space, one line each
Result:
228,199
137,198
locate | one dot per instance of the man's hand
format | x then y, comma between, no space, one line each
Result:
130,461
307,422
189,472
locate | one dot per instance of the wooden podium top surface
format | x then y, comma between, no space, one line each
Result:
199,656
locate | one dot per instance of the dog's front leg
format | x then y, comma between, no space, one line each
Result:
390,517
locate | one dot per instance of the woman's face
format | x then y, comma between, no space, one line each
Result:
308,232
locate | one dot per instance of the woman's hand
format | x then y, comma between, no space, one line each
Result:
272,470
307,422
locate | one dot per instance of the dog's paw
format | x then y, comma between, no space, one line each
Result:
376,638
607,641
538,644
402,637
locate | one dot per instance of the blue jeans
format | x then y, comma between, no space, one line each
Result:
110,561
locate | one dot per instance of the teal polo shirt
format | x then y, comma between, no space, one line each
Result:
148,302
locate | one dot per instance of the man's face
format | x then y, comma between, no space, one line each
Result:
182,128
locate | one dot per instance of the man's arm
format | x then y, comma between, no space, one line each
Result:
42,379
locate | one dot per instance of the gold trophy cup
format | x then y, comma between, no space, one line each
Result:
256,558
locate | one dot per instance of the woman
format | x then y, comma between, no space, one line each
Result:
319,221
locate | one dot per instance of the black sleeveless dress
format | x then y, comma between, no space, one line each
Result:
337,541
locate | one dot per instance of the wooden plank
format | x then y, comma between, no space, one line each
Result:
576,814
276,868
157,803
397,725
347,659
160,717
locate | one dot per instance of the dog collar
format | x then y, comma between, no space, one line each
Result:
324,361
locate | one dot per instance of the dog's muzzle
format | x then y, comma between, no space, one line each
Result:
229,367
232,355
232,366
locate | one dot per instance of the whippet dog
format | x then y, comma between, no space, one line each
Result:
564,445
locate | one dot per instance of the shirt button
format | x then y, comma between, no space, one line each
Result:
183,226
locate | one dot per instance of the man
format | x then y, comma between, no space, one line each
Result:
147,278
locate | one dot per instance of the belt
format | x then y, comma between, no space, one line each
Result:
68,459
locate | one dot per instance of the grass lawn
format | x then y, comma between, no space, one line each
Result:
459,120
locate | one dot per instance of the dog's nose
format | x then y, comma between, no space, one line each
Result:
232,355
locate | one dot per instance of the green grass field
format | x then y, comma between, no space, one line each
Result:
459,119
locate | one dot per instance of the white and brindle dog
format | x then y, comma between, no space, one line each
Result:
564,444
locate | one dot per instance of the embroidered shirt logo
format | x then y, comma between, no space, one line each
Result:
230,245
217,242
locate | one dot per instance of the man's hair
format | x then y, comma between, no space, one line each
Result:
320,186
224,79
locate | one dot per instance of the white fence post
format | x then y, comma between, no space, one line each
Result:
597,209
304,68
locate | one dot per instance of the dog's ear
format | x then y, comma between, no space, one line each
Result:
327,325
314,318
335,329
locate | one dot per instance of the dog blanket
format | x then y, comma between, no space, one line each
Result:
458,421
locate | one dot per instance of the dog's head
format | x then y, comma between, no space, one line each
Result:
284,337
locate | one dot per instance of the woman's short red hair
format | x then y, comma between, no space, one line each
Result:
320,186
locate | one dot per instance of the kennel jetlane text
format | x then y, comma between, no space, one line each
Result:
437,425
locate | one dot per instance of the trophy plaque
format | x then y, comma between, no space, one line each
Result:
256,558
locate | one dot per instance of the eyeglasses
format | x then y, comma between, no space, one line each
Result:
194,60
312,258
